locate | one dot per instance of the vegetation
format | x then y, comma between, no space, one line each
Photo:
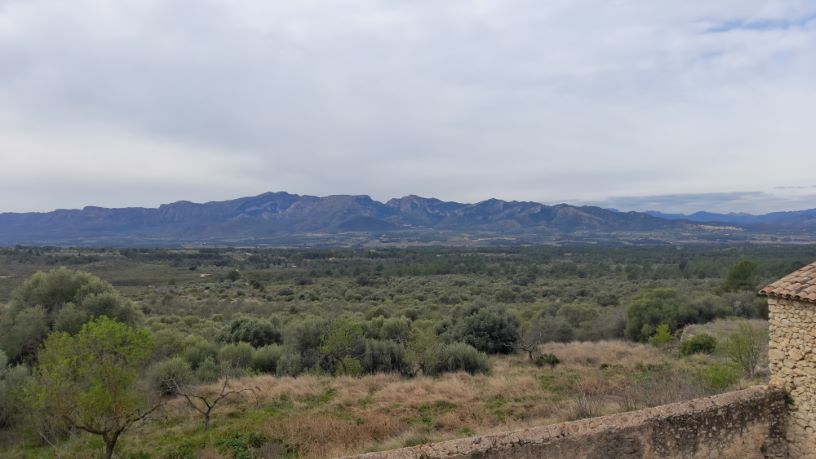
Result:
746,347
700,344
88,381
311,353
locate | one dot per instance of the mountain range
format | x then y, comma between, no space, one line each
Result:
286,219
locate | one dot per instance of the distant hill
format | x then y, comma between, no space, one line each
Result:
284,218
804,220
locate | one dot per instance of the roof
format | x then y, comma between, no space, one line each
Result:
799,285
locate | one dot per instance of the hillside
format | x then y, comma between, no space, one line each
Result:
281,218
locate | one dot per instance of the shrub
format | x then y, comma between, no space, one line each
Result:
699,344
237,355
306,338
719,377
490,330
61,300
384,357
197,350
349,366
266,359
167,343
444,358
290,364
396,329
662,336
164,377
547,359
652,308
208,371
257,332
12,381
745,347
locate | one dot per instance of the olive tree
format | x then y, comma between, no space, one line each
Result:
58,300
90,381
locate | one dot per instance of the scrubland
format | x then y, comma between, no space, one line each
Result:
333,352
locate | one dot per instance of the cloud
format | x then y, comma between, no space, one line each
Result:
150,101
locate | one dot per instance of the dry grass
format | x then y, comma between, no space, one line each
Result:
321,416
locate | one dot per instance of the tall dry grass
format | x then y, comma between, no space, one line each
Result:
325,416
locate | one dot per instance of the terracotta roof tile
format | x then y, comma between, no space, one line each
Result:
800,285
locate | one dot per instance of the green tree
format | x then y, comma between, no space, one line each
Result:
344,340
89,381
494,331
742,276
60,300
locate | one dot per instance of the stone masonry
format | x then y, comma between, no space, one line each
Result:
793,367
792,354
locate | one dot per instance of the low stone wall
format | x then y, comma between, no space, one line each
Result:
744,424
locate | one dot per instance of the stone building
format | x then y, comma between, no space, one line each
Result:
792,353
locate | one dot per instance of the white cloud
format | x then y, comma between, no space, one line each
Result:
518,99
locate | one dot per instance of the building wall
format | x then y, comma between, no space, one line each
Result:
745,424
792,359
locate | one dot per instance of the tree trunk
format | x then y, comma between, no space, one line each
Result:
110,444
207,422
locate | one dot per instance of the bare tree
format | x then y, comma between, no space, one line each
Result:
529,342
205,403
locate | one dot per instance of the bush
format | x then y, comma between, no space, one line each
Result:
290,364
662,336
699,344
396,329
266,359
489,330
445,358
197,350
652,308
257,332
237,355
547,359
60,300
306,337
719,377
349,366
164,377
167,343
208,371
746,346
384,357
12,381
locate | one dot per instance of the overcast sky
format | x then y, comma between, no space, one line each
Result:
673,105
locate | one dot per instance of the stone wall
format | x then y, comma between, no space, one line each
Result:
744,424
792,359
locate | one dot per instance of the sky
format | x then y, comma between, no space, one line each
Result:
667,105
